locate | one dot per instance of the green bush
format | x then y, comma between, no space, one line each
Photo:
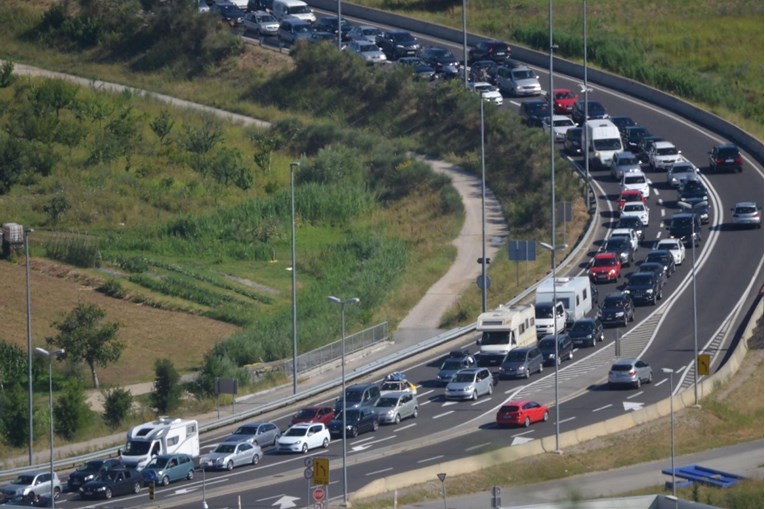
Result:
70,410
6,74
167,392
117,407
113,288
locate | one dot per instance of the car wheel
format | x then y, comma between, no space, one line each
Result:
650,378
397,419
108,494
325,443
541,367
255,459
637,383
594,340
527,374
571,355
527,422
354,432
305,448
56,493
632,317
230,465
625,320
376,423
190,475
661,294
475,395
165,481
546,416
137,488
414,414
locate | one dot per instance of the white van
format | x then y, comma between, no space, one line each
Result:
296,8
506,328
603,140
574,293
163,436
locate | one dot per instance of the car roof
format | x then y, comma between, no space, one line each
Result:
664,144
600,256
395,394
519,402
306,424
625,362
746,204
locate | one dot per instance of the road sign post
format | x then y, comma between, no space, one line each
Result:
702,364
321,471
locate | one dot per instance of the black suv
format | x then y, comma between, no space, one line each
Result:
665,258
657,268
686,226
633,136
356,421
572,143
725,158
644,287
594,110
358,396
329,24
617,309
546,345
398,43
532,112
586,332
497,51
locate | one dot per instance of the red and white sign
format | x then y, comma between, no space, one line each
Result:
318,494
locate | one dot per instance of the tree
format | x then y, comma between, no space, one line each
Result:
13,365
70,411
14,421
86,339
117,405
167,391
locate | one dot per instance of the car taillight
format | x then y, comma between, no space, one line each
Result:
739,160
632,372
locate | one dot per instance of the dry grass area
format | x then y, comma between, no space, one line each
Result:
148,332
732,414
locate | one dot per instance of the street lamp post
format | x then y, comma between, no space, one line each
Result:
483,216
27,231
585,89
694,235
553,249
50,355
339,30
293,165
342,303
464,43
672,424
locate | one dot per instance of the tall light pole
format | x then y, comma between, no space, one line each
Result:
27,231
586,114
483,216
464,43
672,423
553,248
50,355
342,303
339,30
293,165
694,234
204,489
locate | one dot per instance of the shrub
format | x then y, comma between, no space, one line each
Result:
117,406
70,410
6,74
167,391
113,288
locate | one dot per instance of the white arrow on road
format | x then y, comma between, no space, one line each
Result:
630,406
361,447
520,440
286,501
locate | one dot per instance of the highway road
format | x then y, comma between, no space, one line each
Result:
728,274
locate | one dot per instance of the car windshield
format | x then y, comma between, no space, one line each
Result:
484,87
464,378
667,151
727,152
495,337
246,430
451,365
350,415
634,179
666,245
682,169
604,262
745,210
90,466
681,222
390,386
630,222
439,52
353,396
136,448
368,48
386,402
607,144
564,95
616,243
370,31
640,279
157,462
516,356
637,133
299,9
24,480
402,37
612,302
594,108
621,367
301,28
305,413
544,311
636,207
627,159
225,448
296,432
581,327
265,18
523,74
655,257
563,122
547,344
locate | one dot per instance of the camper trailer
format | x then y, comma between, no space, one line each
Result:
506,328
573,292
163,436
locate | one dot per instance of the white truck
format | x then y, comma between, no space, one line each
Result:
163,436
506,328
603,141
574,299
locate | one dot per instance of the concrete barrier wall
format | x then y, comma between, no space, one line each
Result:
567,439
703,118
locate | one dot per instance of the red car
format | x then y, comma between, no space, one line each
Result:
521,413
563,101
322,414
605,267
629,195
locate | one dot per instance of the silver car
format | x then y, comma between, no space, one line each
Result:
521,362
261,433
369,51
470,383
681,172
33,484
394,406
229,455
364,32
632,372
261,23
746,213
622,163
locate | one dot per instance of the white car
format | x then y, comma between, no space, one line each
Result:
229,455
627,233
636,209
369,51
682,172
364,32
636,179
662,155
303,437
261,23
488,92
675,247
561,124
